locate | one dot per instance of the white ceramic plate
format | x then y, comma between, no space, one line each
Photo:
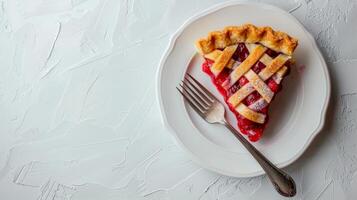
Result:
297,113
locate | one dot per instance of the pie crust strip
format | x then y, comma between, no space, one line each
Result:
250,114
223,59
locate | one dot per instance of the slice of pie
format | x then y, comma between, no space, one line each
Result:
247,65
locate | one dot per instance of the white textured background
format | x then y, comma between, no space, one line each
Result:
79,119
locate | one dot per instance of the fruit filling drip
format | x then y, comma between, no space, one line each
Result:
253,130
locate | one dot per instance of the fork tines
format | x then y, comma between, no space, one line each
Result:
199,98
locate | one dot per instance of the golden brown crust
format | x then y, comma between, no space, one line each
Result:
223,59
250,114
276,40
214,56
273,66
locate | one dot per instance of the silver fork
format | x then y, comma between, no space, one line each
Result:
213,111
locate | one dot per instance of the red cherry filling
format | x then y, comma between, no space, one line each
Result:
234,88
255,96
242,81
258,67
253,130
241,53
273,85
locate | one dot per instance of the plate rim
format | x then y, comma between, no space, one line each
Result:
169,48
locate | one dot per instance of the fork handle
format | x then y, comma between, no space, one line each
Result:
282,182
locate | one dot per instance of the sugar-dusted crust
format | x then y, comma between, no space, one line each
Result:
262,88
248,33
250,114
